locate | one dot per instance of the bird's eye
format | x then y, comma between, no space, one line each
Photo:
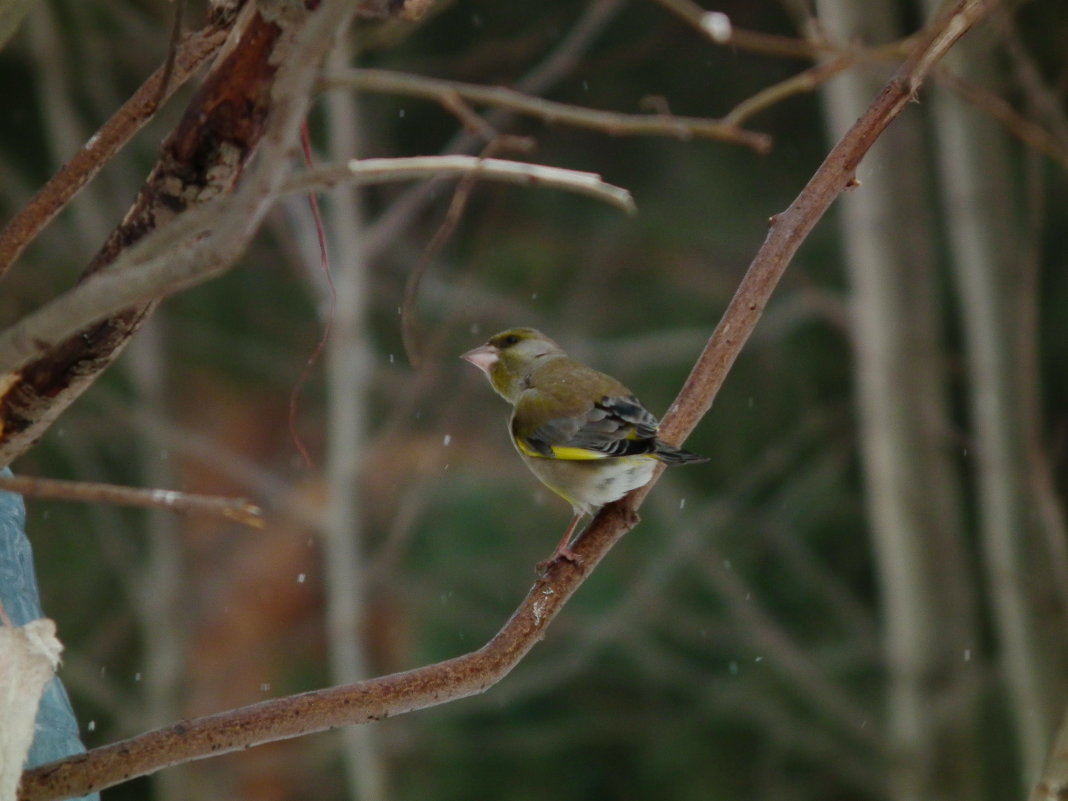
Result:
511,339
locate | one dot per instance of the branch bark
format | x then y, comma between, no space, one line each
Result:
474,672
42,208
200,160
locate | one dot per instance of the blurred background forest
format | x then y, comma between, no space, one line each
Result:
863,595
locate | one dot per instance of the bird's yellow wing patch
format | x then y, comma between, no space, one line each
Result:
565,452
576,454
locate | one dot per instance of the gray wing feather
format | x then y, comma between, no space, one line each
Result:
615,426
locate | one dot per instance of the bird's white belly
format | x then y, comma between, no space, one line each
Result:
589,485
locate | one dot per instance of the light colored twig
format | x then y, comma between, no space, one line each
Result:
203,242
361,172
560,61
610,122
237,509
478,670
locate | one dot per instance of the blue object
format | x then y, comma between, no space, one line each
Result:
57,728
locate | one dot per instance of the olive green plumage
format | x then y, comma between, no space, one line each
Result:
583,433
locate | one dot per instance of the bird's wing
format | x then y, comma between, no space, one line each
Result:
611,426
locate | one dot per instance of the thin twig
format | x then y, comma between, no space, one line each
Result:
803,82
360,172
716,26
172,52
237,509
42,208
474,672
839,57
559,62
999,109
469,118
610,122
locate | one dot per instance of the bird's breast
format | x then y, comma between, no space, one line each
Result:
589,485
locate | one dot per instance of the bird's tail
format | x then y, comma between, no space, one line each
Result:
669,454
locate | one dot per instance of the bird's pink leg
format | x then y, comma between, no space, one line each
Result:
562,550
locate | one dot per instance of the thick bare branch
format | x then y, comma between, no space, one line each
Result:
199,161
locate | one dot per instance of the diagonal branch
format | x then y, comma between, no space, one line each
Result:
200,161
790,228
42,208
474,672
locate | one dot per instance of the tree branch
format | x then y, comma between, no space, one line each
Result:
610,122
200,161
62,187
205,241
360,172
237,509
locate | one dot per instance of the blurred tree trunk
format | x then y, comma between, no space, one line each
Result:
349,371
160,615
981,202
912,490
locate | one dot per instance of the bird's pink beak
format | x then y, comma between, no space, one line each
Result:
483,357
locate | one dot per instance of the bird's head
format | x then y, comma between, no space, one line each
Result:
508,357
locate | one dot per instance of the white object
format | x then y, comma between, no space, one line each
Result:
29,656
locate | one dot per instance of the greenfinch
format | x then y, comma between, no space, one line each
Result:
581,432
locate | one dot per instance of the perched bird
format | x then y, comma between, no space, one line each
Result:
581,432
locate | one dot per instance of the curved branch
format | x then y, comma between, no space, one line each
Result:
360,172
472,673
610,122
